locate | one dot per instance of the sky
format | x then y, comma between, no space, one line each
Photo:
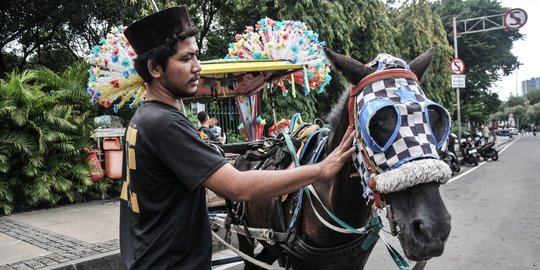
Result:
526,50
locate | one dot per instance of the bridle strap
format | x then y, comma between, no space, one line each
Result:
372,78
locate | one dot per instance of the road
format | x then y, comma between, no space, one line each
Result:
495,214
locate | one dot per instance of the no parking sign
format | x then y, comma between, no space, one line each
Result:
457,66
515,18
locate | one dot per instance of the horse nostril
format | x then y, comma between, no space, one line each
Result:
418,226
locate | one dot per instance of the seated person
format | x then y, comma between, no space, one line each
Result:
204,131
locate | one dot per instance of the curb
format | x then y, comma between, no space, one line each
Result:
105,261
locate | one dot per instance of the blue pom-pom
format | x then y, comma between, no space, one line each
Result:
126,74
95,50
115,108
114,58
125,62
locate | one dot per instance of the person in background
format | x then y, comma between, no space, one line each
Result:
494,134
485,134
163,214
204,131
217,130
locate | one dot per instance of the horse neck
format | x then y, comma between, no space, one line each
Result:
343,194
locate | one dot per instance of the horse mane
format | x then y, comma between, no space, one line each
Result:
334,116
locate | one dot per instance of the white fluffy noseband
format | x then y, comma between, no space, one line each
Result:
413,173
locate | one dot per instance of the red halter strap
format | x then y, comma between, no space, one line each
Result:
372,78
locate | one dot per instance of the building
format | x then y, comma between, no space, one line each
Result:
529,85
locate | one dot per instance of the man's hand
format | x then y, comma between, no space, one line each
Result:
335,160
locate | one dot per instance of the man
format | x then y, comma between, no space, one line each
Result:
204,130
485,134
163,216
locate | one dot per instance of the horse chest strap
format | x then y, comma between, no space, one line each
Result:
305,251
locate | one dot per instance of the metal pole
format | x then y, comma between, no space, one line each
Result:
155,6
517,93
457,89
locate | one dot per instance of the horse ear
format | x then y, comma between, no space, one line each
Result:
421,63
353,70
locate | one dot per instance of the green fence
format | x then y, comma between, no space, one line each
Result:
224,109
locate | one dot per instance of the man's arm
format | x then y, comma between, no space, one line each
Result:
244,186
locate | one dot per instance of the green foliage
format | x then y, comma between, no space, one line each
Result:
532,115
54,33
287,106
418,29
533,96
233,137
44,138
487,55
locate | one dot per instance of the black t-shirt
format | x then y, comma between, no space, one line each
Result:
163,215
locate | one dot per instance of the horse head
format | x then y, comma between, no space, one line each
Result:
399,131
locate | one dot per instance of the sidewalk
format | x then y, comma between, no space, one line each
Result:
78,236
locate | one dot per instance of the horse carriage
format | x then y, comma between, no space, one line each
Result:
335,224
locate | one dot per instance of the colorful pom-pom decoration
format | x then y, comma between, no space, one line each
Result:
285,40
113,80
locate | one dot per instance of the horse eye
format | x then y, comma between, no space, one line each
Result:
438,120
382,125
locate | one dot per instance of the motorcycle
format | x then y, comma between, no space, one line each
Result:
485,151
469,151
449,156
488,151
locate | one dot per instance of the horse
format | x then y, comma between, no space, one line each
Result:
396,165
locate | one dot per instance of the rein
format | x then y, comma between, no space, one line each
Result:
368,233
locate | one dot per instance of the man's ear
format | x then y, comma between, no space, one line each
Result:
154,68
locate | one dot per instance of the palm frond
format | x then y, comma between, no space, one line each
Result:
20,116
54,136
60,122
7,106
20,141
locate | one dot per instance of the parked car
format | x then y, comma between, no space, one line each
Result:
505,132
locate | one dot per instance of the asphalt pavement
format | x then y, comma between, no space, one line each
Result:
76,236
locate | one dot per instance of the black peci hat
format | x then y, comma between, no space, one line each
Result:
157,28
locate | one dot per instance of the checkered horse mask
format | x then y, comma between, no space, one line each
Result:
398,128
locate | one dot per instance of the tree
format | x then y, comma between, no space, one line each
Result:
532,115
533,96
515,101
487,55
418,29
54,33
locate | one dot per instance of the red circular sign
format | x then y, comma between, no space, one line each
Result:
457,66
515,18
